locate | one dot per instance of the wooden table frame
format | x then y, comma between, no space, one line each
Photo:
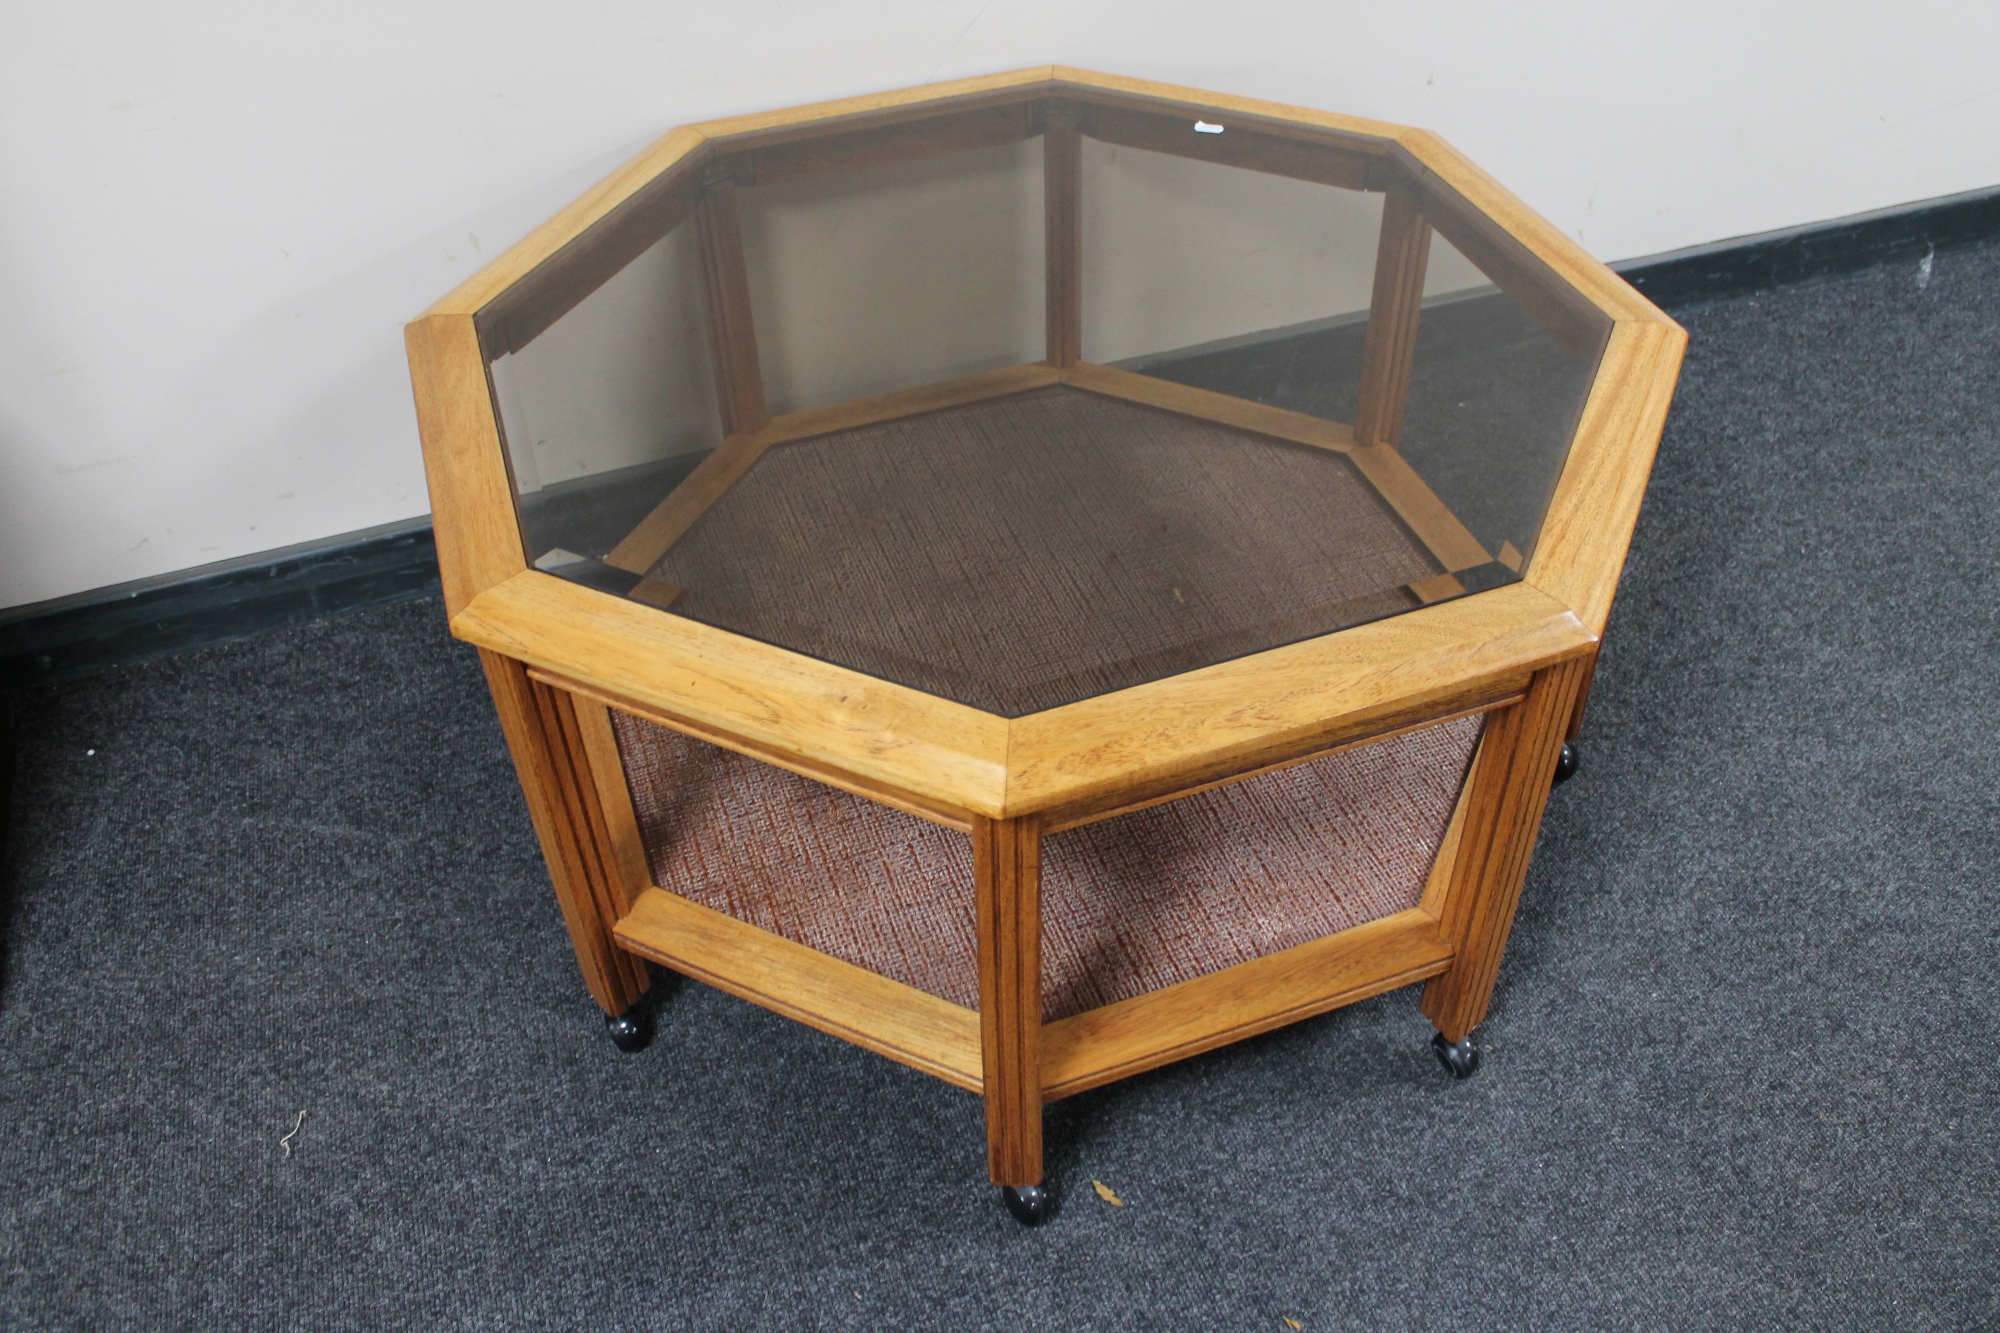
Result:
558,656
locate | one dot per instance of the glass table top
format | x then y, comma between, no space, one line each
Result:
1271,425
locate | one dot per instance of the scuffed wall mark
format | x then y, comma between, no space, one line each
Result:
94,464
956,40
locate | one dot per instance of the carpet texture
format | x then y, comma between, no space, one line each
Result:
1738,1069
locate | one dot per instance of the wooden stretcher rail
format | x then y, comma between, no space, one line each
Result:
642,548
1163,1026
1208,405
1439,882
1384,469
1419,507
905,1024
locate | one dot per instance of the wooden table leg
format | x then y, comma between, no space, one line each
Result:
732,337
540,726
1575,727
1393,313
1517,761
1006,856
1062,194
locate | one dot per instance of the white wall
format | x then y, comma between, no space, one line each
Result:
214,218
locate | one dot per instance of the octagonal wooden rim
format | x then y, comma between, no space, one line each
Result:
945,760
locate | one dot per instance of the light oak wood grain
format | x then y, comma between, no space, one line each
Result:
880,793
1221,408
558,655
558,789
472,497
1510,787
942,752
958,392
852,1003
1419,507
1381,467
656,592
1438,883
578,787
530,306
1140,796
1401,256
1437,588
641,548
688,149
1006,856
1192,728
1270,706
1162,1026
1575,727
625,849
1581,551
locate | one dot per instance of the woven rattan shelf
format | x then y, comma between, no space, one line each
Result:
1042,576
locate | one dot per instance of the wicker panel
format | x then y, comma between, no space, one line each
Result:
1128,905
1030,551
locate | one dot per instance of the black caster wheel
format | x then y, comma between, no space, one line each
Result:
1461,1057
629,1031
1028,1203
1566,763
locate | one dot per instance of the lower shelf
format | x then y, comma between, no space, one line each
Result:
1131,905
849,1002
1090,1049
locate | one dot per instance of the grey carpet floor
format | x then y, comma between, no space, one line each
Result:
1739,1073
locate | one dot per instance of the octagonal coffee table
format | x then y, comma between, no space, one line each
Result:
1041,576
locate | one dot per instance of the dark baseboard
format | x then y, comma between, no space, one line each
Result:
240,599
1747,265
215,604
